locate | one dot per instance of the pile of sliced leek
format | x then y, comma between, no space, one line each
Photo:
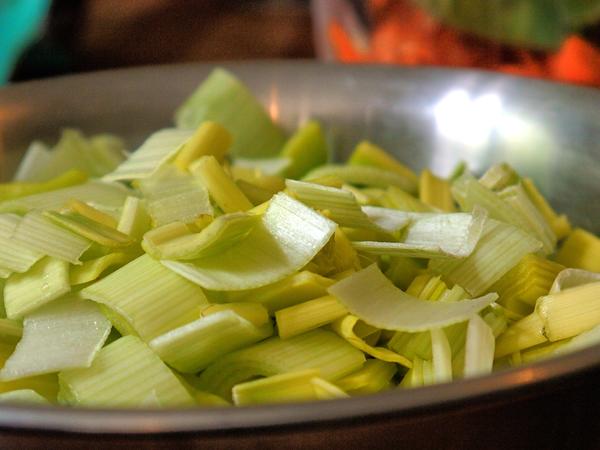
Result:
225,263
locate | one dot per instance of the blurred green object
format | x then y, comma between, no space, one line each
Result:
536,24
20,21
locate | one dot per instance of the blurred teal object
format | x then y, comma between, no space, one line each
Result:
20,21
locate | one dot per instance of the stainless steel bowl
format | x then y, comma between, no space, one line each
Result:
428,118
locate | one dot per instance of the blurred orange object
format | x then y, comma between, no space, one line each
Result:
577,61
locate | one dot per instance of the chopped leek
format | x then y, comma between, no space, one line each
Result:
442,356
307,316
94,268
570,278
148,296
23,396
223,99
479,348
134,220
124,373
560,223
317,349
89,229
306,149
14,256
65,334
403,201
289,235
525,333
373,377
581,250
10,330
9,191
435,192
47,280
373,298
499,176
209,139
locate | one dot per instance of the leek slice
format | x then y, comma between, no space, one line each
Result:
34,163
299,386
570,278
223,99
148,296
499,176
94,268
157,150
341,205
14,257
134,220
223,233
345,327
369,154
398,199
9,191
10,330
110,195
401,271
89,229
210,138
479,348
337,257
442,356
434,236
499,249
435,192
65,334
362,175
306,149
23,396
523,334
255,169
192,347
91,213
292,290
374,376
560,223
123,374
287,238
47,280
581,250
307,316
369,295
317,349
39,234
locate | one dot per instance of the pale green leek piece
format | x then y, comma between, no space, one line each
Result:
227,262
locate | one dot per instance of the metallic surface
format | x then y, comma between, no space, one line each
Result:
428,118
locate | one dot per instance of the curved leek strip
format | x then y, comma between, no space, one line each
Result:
10,330
157,150
40,234
317,349
14,257
89,229
149,297
111,195
134,220
536,223
374,376
23,396
369,295
306,149
560,223
210,138
47,280
435,192
221,234
292,290
344,327
441,356
341,205
369,154
499,249
479,348
307,316
192,347
124,374
93,269
287,238
499,176
567,313
581,250
9,191
286,388
222,98
570,278
362,175
65,334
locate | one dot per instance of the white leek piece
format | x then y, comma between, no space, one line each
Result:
389,220
47,280
369,295
110,195
124,374
40,234
134,220
66,334
479,348
159,148
317,349
570,278
267,166
289,235
14,256
192,347
500,248
442,356
148,296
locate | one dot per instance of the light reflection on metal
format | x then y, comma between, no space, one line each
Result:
273,104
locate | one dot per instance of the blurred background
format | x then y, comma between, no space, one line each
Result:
553,39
